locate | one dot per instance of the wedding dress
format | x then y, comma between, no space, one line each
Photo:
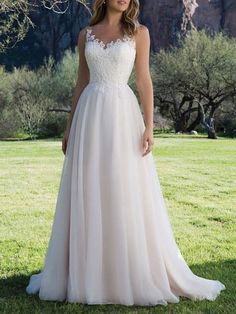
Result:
111,239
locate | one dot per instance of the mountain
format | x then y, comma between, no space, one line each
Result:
165,18
54,33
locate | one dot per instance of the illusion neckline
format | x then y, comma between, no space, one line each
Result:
102,44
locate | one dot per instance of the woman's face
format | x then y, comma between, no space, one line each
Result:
119,5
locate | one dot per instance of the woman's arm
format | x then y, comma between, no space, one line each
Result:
144,84
82,81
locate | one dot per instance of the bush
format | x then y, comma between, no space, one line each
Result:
26,96
193,81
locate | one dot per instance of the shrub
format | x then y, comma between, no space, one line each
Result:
27,96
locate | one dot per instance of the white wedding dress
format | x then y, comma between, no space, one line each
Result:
111,239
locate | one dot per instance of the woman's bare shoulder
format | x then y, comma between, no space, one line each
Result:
142,30
142,34
82,34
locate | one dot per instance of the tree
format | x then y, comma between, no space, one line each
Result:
194,80
15,17
14,22
29,98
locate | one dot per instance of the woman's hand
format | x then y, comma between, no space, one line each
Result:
64,142
147,140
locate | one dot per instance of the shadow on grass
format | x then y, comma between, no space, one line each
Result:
29,139
14,286
181,136
12,139
155,134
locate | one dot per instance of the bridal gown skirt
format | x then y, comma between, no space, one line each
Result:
111,239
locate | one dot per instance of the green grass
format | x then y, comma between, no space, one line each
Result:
198,179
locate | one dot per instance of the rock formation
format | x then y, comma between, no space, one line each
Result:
167,18
216,15
54,33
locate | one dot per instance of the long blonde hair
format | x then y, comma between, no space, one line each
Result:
129,18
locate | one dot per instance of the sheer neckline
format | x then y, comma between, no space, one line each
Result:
108,44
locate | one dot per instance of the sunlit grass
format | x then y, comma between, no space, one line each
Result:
198,178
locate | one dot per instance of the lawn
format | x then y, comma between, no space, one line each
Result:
198,178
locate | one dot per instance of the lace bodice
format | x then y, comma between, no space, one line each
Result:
112,62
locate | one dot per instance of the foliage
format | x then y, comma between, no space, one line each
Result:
195,79
8,123
15,17
60,88
226,118
14,22
28,96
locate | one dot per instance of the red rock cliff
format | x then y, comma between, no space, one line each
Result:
165,18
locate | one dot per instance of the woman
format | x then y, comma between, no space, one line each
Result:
111,239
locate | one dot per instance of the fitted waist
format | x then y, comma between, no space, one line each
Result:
111,83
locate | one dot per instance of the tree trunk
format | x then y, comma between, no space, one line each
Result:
180,125
195,123
182,122
208,122
211,128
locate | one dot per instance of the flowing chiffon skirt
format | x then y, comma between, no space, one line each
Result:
111,239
